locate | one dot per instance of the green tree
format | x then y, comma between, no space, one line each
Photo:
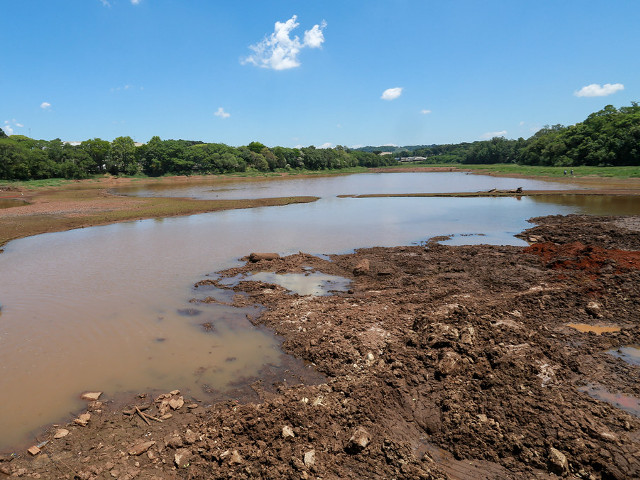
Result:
122,159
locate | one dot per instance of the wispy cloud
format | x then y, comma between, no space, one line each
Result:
135,2
221,113
105,3
391,93
489,135
597,90
45,105
279,51
425,111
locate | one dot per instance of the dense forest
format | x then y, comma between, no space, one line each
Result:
609,137
23,158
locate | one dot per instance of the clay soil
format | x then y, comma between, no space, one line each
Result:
439,362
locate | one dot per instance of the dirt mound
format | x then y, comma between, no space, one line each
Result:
439,362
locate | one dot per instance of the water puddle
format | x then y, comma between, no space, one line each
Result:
624,402
11,202
597,329
630,354
310,283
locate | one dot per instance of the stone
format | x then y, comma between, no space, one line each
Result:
61,433
174,392
176,403
91,396
287,431
140,448
359,440
557,462
235,458
310,458
83,419
182,458
256,257
33,450
173,441
362,267
190,437
450,362
594,309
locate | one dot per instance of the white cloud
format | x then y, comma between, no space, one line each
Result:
425,111
326,145
279,51
45,105
391,93
221,113
135,2
357,145
521,123
489,135
105,3
6,128
597,90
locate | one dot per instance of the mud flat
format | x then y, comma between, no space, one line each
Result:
438,362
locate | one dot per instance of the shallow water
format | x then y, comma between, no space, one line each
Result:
11,202
102,308
597,329
357,184
630,354
624,402
315,283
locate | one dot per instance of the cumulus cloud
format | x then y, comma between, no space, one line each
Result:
221,113
425,111
391,93
489,135
279,51
45,105
597,90
326,145
6,128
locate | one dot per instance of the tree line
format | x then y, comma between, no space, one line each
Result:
24,158
609,137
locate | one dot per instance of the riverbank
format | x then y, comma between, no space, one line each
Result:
439,362
52,206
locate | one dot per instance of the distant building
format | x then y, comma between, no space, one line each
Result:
411,159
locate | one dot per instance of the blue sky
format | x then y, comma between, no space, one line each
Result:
226,72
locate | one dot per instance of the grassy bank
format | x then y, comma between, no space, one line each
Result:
536,171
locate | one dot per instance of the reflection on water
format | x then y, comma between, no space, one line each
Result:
595,204
357,184
623,402
630,354
316,283
97,308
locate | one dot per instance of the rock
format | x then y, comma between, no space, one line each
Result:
182,458
450,362
359,440
173,441
594,309
140,448
287,431
256,257
83,419
33,450
176,403
362,267
235,458
174,392
190,437
91,396
557,462
4,469
61,433
310,458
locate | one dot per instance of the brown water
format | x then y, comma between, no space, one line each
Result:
11,202
103,308
595,204
597,329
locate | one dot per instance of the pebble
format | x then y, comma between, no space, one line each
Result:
287,431
140,448
310,458
61,433
91,396
83,419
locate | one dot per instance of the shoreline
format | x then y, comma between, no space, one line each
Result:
440,362
86,203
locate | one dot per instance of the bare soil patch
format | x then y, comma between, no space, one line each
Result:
440,362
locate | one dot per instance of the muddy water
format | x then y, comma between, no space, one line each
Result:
597,329
630,354
104,308
624,402
358,184
316,283
11,202
596,204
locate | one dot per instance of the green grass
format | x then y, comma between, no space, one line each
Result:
509,169
32,184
